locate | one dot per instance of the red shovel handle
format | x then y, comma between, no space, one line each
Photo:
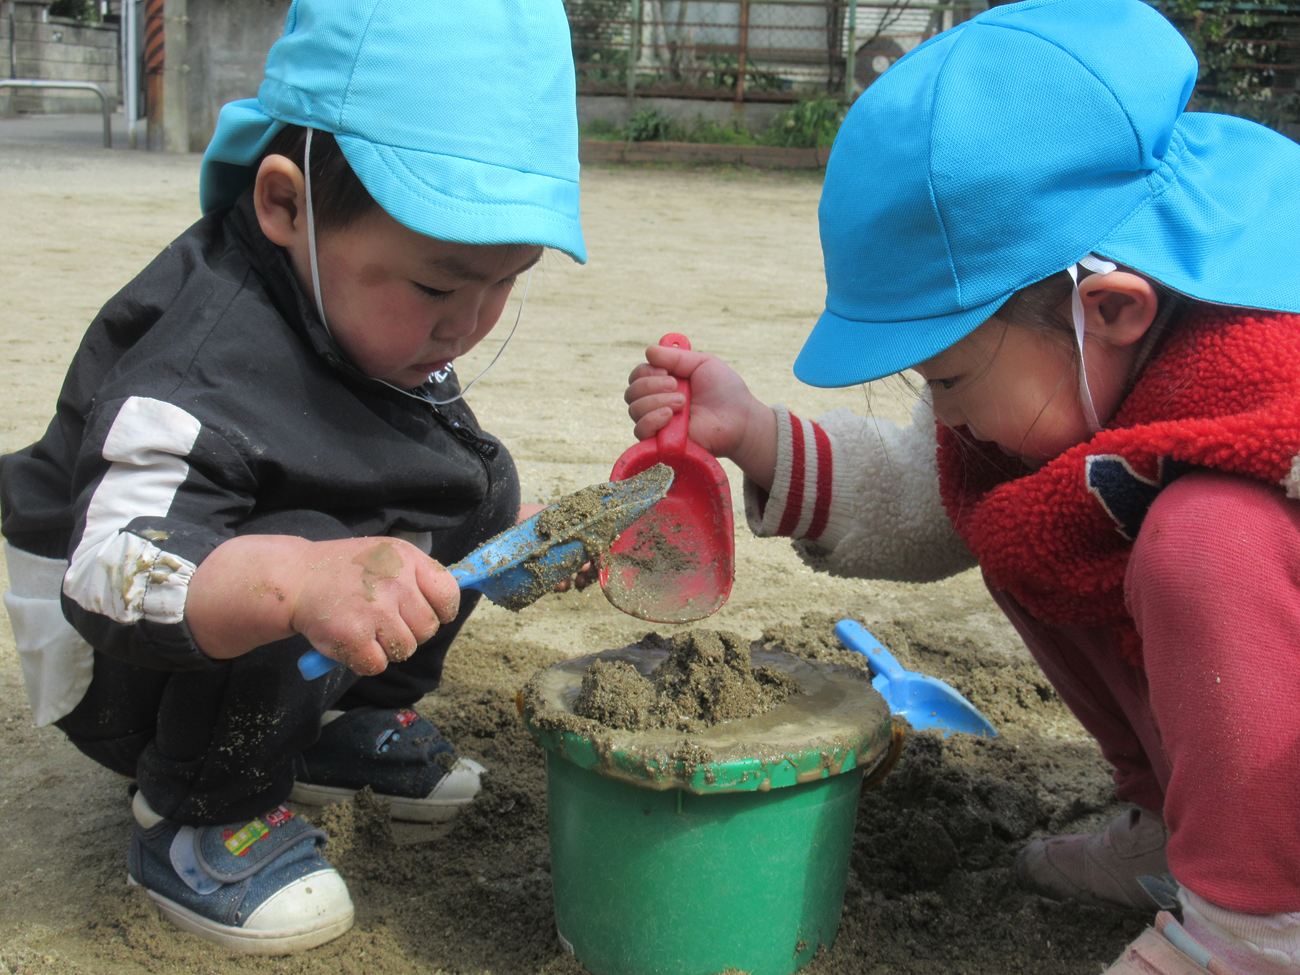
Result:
672,438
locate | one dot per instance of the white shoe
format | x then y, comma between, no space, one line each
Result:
260,887
454,791
398,754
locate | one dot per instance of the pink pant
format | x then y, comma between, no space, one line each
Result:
1209,730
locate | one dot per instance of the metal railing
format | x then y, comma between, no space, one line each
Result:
782,50
80,85
746,50
1250,58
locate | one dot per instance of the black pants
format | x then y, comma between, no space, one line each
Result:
213,746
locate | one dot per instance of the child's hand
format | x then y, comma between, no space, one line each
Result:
361,601
727,419
366,601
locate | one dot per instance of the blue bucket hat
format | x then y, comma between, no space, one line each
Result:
1008,148
460,119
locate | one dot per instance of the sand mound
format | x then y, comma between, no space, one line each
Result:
708,678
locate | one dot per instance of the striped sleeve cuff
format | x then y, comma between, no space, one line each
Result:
799,504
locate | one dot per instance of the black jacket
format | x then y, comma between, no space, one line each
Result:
205,393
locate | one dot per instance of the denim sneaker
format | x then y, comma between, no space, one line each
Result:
261,887
399,754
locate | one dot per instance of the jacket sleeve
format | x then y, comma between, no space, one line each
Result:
155,493
860,496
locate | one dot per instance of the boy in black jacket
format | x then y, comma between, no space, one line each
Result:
260,447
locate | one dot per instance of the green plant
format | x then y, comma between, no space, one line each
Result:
650,125
74,9
706,130
602,128
722,69
654,126
1237,46
807,124
599,48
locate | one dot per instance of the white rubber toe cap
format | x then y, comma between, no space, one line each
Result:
306,904
460,785
306,913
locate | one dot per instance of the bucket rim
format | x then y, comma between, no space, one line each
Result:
692,767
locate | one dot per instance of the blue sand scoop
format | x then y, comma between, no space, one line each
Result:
523,564
926,702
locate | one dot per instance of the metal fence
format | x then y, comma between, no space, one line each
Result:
1250,58
746,50
783,50
1257,51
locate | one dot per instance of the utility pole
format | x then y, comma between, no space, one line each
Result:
851,58
176,101
633,55
154,62
130,70
744,49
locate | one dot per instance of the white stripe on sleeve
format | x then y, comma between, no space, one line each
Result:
115,573
807,503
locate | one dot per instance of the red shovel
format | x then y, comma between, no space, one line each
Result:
677,562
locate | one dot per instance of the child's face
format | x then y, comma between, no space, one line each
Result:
402,305
1019,388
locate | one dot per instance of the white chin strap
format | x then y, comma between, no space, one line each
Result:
311,235
1097,265
320,305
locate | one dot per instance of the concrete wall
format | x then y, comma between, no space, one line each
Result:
614,108
55,49
227,45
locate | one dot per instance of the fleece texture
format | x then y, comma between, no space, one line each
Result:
860,496
1223,395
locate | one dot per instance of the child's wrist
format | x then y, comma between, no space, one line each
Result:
263,575
756,453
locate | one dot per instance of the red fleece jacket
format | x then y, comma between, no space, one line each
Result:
1224,394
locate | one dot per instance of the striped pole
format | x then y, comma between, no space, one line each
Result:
154,35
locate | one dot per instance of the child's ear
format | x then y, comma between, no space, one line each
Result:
279,196
1118,307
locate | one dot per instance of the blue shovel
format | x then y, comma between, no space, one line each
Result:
926,702
524,563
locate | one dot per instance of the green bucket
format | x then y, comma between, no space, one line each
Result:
729,854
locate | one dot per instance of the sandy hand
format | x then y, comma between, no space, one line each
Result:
368,601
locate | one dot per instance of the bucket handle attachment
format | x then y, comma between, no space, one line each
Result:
897,733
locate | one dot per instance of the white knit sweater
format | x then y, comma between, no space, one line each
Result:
860,496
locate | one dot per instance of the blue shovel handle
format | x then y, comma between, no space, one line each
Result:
885,667
925,701
313,663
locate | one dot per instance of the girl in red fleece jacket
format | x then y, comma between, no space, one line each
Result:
1120,455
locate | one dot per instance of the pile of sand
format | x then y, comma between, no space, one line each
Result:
708,678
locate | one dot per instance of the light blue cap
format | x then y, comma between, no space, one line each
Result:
459,118
1004,150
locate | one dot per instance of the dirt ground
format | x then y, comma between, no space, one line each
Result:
731,259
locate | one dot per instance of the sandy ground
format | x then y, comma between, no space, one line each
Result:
732,260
